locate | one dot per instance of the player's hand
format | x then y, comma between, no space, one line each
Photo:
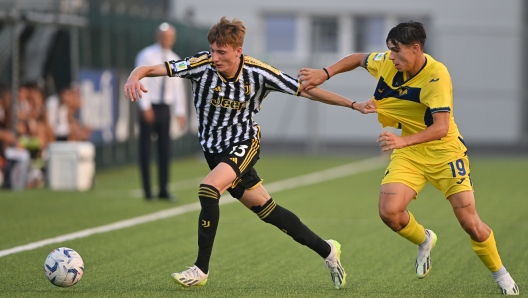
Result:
311,78
366,107
134,89
389,141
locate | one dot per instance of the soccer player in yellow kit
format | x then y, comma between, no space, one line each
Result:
414,94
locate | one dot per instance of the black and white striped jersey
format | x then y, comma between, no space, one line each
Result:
225,106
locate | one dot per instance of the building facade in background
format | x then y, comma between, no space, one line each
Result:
479,41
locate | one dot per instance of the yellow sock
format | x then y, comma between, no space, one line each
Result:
488,253
413,231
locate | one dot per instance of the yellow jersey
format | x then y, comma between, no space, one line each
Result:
409,104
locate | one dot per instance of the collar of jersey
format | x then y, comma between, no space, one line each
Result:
237,74
398,78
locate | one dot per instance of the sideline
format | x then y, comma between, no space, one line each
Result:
299,181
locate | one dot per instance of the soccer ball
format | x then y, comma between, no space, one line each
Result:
64,267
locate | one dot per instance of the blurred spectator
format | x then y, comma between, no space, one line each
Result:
62,115
38,123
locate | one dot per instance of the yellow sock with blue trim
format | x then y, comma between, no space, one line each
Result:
488,253
413,231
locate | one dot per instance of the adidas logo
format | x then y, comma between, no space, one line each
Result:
234,159
217,89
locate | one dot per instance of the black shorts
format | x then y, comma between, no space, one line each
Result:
241,157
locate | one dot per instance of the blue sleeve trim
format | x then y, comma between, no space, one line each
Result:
442,109
365,62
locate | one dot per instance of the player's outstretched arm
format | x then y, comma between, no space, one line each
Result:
331,98
133,87
311,78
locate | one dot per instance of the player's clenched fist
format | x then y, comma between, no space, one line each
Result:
388,141
311,78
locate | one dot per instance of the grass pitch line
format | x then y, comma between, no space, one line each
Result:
299,181
173,186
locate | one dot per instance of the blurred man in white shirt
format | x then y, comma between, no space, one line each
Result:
155,110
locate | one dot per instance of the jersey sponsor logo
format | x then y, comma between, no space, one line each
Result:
217,89
228,103
434,80
378,57
181,66
247,88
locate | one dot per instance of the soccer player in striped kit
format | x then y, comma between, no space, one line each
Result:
228,90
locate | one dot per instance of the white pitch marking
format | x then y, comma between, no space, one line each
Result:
304,180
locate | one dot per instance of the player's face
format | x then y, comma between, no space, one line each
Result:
403,56
226,59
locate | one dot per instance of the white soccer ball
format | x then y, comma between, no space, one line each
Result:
64,267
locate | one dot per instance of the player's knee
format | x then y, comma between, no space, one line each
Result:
236,192
266,212
208,195
474,230
387,216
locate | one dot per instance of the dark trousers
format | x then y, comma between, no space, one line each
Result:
161,127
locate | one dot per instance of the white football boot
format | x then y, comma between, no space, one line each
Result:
333,263
192,277
423,259
507,285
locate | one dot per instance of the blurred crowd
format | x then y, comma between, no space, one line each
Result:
40,120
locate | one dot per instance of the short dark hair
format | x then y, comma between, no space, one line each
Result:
407,33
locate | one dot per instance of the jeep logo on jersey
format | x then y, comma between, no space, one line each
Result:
228,103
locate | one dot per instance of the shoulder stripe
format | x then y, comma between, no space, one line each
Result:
252,61
196,61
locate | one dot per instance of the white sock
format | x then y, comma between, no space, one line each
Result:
500,273
427,238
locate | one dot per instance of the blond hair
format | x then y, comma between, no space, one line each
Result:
227,32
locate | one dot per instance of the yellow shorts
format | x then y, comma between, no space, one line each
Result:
444,164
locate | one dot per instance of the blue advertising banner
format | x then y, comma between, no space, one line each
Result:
99,93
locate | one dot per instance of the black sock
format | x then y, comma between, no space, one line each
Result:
207,224
290,224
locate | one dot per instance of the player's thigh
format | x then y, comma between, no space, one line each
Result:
394,198
240,158
404,175
220,177
451,176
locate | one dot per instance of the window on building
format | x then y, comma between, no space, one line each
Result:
325,35
370,34
280,33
